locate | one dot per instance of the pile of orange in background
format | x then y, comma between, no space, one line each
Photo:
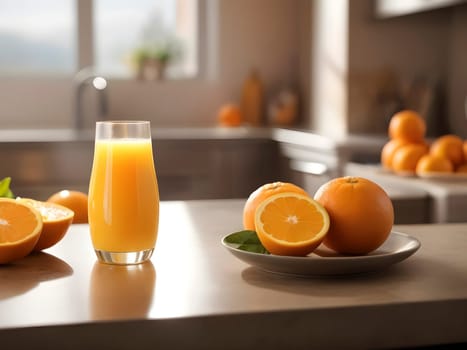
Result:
408,152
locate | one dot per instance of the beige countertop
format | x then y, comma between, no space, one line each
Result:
448,195
196,294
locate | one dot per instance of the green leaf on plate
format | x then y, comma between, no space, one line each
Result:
247,240
5,188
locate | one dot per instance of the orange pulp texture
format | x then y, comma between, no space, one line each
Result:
291,224
20,229
56,221
260,194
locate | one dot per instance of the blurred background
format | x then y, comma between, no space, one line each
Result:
343,67
375,56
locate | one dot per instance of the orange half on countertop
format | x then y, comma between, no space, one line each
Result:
291,224
56,221
20,229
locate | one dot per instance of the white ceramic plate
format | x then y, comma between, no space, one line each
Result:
323,261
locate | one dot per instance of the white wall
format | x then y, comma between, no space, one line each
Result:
329,73
385,57
357,90
456,113
276,36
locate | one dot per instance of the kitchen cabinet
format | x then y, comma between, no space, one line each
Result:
213,169
445,199
217,163
412,205
40,168
313,159
191,163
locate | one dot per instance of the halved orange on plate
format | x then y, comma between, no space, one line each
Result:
291,224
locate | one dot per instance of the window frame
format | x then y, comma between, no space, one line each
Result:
47,101
85,33
85,37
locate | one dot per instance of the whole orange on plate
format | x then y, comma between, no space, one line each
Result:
361,214
74,200
407,125
291,224
229,115
405,158
20,229
388,150
56,220
260,194
430,163
449,146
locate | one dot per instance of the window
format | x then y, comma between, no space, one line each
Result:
41,37
37,37
163,28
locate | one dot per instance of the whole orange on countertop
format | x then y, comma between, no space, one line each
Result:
260,194
74,200
361,214
229,115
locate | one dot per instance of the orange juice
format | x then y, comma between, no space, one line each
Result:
123,196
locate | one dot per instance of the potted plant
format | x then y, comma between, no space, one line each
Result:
151,62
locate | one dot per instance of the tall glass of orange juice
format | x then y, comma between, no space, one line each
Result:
123,205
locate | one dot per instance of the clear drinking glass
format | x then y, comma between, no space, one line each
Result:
123,193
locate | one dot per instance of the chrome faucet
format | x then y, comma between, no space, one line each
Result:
83,78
